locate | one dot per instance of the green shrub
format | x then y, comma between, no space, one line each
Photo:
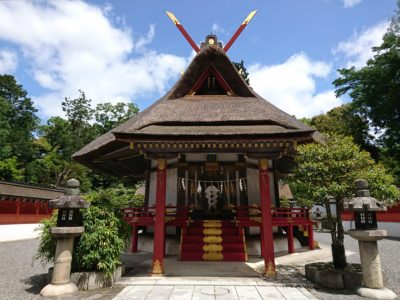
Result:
115,198
105,238
284,202
47,244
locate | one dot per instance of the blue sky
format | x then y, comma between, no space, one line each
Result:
130,50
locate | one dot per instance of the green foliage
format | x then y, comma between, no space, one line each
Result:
115,198
47,244
306,121
345,120
240,67
100,246
10,170
105,237
329,170
18,121
109,116
375,90
284,202
51,169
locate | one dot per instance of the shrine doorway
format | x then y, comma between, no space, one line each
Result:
212,189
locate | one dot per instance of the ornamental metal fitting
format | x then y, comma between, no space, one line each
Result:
362,200
71,198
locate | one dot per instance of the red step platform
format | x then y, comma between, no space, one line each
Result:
213,240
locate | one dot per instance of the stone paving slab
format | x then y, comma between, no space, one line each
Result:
212,292
238,281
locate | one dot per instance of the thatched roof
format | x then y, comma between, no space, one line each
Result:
12,190
181,114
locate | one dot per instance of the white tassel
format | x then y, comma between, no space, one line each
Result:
199,188
183,184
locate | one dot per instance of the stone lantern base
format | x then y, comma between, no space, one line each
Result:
383,293
371,264
60,283
52,290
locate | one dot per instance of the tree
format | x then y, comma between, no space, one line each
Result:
344,120
109,116
328,171
11,170
375,88
240,67
61,137
79,114
18,121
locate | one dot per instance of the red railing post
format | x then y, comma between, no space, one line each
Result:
290,238
135,238
310,236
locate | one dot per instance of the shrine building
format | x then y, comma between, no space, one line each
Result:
211,152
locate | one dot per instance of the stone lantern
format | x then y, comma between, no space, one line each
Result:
367,233
69,225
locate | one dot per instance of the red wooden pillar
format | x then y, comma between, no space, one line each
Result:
37,207
135,237
262,241
290,238
159,224
268,238
18,210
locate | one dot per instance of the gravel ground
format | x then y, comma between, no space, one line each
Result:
389,250
21,279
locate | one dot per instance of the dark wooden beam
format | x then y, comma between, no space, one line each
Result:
261,155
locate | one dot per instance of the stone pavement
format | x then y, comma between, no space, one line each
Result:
200,288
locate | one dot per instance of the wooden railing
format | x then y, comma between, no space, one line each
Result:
245,216
280,216
144,216
176,216
286,218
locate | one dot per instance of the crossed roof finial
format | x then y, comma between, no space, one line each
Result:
194,45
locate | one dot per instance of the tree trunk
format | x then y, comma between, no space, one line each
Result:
339,256
332,225
338,250
337,234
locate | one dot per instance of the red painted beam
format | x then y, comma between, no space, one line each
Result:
203,77
183,31
239,30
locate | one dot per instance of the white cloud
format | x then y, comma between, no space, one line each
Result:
73,45
350,3
8,62
291,86
357,49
